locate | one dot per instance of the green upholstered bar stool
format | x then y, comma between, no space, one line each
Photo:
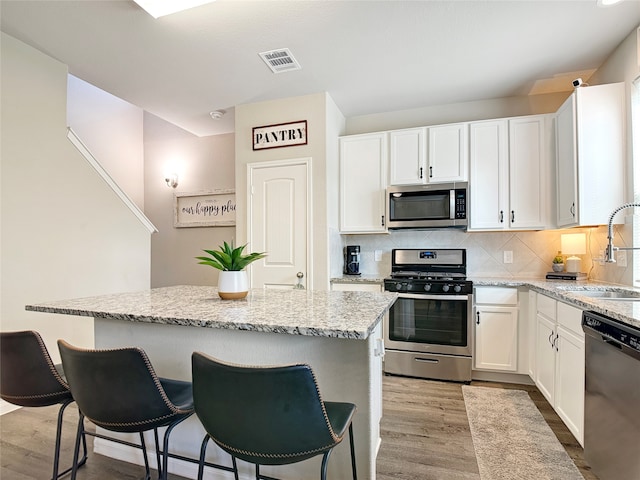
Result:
267,415
29,378
118,390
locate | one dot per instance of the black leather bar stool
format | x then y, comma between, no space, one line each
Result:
119,391
267,415
29,378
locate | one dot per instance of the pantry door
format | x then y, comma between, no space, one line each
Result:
278,222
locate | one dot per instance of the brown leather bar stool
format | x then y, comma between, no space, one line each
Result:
118,390
29,378
267,415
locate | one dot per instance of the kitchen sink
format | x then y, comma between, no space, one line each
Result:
608,294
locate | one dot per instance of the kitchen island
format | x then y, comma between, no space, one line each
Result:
338,333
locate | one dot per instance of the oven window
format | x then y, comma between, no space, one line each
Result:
420,206
438,322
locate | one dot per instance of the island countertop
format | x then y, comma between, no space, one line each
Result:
351,315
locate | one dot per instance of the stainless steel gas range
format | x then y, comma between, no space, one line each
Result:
427,332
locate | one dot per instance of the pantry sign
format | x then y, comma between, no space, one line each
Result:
280,135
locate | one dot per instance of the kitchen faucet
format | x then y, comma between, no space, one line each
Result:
609,256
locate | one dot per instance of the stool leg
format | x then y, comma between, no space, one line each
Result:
158,460
56,451
353,452
76,448
203,450
144,455
325,459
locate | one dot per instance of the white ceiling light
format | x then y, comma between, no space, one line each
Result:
607,3
160,8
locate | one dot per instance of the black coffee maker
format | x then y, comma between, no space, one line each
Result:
352,260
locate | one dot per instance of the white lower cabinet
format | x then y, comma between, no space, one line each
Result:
496,329
559,372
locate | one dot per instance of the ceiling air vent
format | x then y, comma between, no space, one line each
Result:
280,60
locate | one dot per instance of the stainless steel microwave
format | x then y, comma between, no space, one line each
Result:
428,206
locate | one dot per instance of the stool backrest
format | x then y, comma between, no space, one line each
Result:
116,389
28,377
265,415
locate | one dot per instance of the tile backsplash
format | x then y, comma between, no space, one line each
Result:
533,251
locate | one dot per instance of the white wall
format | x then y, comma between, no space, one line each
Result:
321,117
203,164
112,130
65,234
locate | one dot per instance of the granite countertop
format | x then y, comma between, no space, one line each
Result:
627,312
351,315
364,278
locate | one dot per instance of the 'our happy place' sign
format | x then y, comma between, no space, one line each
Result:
281,135
205,209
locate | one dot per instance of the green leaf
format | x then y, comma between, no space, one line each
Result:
228,257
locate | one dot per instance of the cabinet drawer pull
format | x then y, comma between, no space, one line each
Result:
426,360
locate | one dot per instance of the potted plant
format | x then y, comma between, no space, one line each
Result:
232,281
558,262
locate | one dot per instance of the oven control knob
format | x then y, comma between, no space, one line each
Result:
427,287
457,288
445,288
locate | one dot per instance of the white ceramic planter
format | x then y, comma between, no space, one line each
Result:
233,285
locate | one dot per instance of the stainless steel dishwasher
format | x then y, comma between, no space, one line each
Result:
612,398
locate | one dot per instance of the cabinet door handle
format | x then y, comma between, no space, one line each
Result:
501,216
572,210
555,342
382,221
420,172
513,216
549,339
477,318
430,172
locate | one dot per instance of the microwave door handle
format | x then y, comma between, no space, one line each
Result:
452,204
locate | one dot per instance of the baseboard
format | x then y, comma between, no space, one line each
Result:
175,466
6,407
504,377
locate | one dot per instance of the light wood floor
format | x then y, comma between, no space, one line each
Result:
425,435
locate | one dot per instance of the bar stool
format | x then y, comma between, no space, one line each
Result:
118,390
29,378
267,415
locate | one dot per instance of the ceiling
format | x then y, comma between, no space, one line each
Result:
370,56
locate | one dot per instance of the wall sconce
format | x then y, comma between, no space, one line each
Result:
573,244
172,180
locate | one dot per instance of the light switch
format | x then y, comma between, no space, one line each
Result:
508,256
377,255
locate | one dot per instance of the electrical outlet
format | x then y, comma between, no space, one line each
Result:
600,258
508,256
621,258
377,255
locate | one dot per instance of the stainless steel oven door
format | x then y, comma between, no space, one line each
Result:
430,324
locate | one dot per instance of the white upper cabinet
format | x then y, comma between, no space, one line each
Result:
529,158
363,183
489,173
429,155
448,155
510,163
407,157
590,155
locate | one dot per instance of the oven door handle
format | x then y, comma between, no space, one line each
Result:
422,296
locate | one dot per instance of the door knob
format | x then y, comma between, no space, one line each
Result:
299,285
